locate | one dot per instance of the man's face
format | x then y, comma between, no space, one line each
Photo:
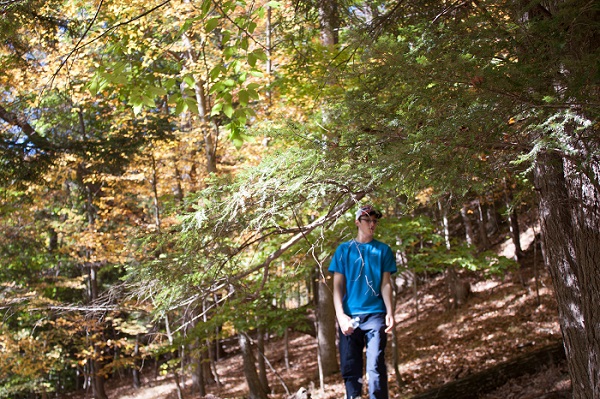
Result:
367,224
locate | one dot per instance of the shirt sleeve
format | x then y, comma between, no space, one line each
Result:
389,261
336,266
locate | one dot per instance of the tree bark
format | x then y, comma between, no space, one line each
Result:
484,240
137,382
469,236
198,382
209,133
329,22
570,225
513,221
262,367
326,329
255,388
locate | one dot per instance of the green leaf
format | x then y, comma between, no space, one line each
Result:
170,83
251,26
216,109
211,24
119,78
226,36
253,94
236,66
243,97
234,135
260,54
252,59
273,4
206,6
94,85
192,105
217,87
156,91
228,110
189,80
181,107
188,24
244,43
174,98
228,52
148,101
215,72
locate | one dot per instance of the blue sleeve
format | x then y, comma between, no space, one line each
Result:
389,261
336,266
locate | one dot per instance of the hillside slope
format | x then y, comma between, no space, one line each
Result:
502,319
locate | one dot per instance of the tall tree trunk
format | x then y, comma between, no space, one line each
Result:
197,374
484,241
570,225
262,366
210,133
137,383
513,221
97,380
175,373
326,329
329,22
178,189
269,50
155,198
255,388
469,236
445,224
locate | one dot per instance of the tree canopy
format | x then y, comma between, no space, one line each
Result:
164,165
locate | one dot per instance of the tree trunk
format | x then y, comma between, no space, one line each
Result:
175,373
137,382
262,367
469,236
198,380
155,197
210,134
255,389
97,380
326,330
570,225
513,221
329,22
445,224
95,365
484,241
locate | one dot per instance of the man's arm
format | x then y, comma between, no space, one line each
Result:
339,290
388,298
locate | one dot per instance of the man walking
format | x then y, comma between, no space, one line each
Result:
362,296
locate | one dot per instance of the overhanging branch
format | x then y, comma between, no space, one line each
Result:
12,119
335,213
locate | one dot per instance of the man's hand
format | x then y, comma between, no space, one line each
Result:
390,322
345,323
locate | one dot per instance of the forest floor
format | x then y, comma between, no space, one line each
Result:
503,318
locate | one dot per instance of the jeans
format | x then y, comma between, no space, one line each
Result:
371,332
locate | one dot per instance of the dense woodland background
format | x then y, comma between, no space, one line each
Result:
175,175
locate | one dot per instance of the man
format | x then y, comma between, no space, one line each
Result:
362,296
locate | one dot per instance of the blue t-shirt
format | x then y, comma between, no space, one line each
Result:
363,265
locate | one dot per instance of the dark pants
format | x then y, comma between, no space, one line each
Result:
371,333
